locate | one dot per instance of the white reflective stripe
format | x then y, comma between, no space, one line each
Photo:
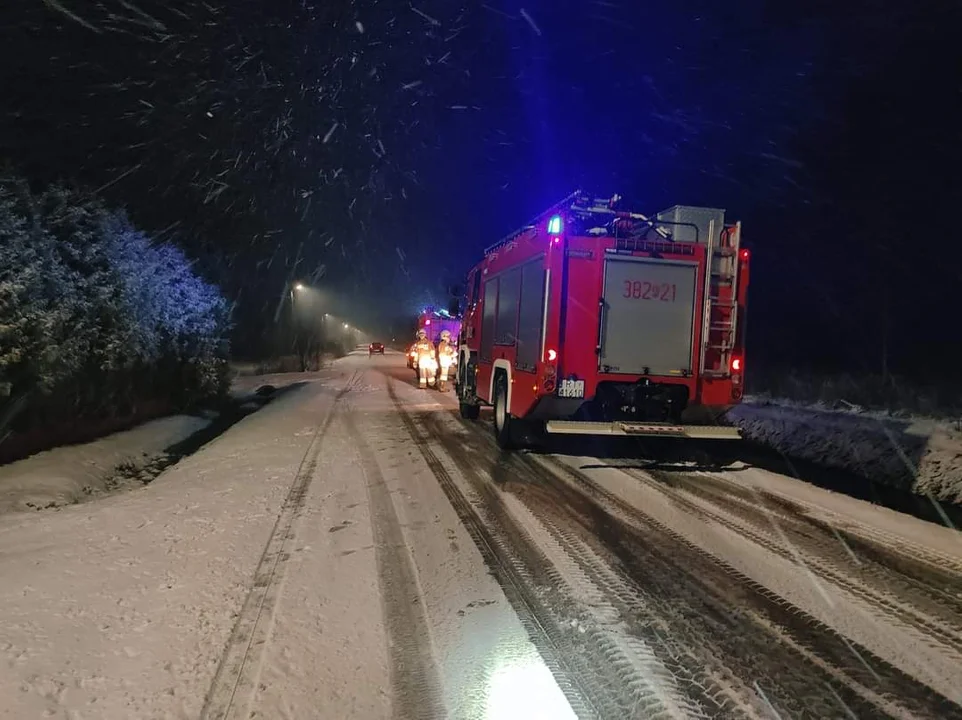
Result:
544,310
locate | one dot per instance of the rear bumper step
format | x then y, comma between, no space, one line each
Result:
635,429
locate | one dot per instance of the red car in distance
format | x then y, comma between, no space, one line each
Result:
375,347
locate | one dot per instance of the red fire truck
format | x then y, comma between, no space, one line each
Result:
595,320
433,322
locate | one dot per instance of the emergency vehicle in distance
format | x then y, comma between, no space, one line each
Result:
596,321
434,322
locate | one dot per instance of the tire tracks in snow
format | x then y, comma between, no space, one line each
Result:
937,575
603,671
414,675
637,615
732,629
510,573
805,666
823,556
235,683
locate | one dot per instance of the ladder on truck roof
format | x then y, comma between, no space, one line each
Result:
720,321
723,325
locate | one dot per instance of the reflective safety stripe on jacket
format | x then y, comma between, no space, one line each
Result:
424,348
445,353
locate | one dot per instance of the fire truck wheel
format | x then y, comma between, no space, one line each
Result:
503,422
469,411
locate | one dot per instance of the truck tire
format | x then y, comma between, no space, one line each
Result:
469,411
503,422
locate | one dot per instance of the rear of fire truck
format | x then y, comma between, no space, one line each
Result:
434,322
642,324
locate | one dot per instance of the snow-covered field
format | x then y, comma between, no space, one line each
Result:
123,608
918,454
145,584
70,474
76,473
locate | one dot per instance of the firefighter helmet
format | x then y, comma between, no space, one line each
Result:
422,334
446,335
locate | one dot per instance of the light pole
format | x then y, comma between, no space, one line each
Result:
295,287
298,287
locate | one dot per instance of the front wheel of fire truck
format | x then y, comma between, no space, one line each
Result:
505,432
469,411
467,400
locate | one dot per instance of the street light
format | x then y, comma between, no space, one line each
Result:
346,326
298,287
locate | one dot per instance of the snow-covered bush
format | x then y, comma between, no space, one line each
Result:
38,345
178,318
95,317
842,391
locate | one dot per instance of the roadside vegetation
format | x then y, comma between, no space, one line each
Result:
101,327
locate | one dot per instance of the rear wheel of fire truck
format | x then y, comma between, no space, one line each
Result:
505,432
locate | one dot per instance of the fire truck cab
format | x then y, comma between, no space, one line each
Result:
595,320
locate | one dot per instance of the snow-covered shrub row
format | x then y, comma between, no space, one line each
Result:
896,395
95,317
917,454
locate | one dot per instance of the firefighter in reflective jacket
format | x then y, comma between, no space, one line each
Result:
445,359
427,365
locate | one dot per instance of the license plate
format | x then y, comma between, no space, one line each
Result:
571,389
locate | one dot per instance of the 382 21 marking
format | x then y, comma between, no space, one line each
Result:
644,290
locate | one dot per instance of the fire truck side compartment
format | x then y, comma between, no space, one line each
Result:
530,311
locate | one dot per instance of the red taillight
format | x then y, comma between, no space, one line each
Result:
552,355
737,366
744,254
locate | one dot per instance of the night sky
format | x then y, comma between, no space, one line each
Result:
375,148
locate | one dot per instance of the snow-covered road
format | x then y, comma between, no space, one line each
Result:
355,549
